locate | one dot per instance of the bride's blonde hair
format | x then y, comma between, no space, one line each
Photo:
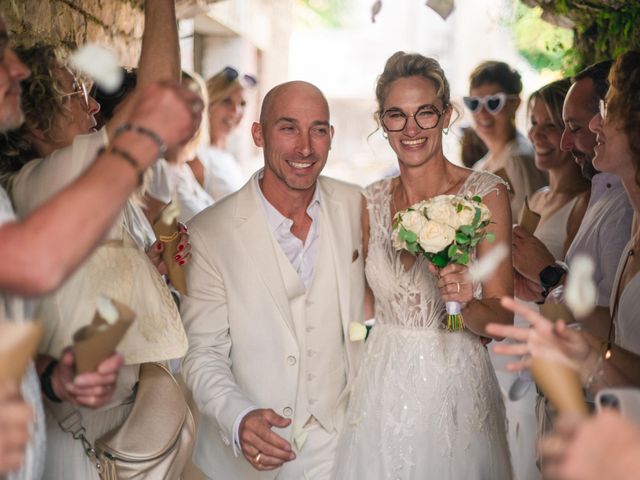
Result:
401,65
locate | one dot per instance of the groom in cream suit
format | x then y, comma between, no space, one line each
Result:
276,278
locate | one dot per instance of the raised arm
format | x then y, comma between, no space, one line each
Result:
48,244
159,56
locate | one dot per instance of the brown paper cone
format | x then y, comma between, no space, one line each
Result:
560,384
528,218
557,311
97,341
502,173
176,273
18,343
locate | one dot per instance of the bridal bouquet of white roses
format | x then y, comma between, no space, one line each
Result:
444,229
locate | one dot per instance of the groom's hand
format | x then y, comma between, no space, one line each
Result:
263,448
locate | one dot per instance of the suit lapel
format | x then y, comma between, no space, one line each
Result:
259,245
334,225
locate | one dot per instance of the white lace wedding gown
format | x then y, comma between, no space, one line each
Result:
425,402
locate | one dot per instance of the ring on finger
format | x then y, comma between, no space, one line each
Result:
458,286
258,457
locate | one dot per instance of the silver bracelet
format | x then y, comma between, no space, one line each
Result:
130,127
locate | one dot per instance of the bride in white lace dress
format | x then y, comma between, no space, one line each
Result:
425,403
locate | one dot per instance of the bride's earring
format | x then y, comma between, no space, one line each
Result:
445,130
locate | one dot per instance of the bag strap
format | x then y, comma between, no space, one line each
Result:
71,422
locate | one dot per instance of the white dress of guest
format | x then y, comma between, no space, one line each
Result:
627,325
425,403
14,309
35,183
222,174
191,197
517,160
521,414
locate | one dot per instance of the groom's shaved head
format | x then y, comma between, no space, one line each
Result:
280,92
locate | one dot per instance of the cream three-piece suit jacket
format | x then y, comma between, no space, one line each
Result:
238,318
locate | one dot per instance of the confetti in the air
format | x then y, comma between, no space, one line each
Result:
580,292
481,270
100,64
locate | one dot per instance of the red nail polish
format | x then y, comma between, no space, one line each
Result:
177,257
182,262
180,248
159,246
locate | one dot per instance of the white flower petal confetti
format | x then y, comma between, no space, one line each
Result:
357,331
100,64
107,310
482,269
580,292
370,323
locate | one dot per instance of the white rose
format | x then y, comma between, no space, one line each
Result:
413,221
435,236
485,213
466,214
441,209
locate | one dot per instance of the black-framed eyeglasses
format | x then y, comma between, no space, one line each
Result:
79,88
231,74
492,103
426,117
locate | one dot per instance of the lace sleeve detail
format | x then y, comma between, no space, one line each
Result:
481,184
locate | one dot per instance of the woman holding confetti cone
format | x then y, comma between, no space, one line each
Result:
59,130
426,402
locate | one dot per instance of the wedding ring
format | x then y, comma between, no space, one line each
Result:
258,457
458,285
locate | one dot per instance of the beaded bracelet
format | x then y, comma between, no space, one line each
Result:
127,157
130,127
45,382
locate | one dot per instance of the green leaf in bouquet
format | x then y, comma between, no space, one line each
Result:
467,230
490,236
413,247
440,259
451,251
407,236
459,208
461,238
463,259
477,198
476,218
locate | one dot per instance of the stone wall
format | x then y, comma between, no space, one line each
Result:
68,23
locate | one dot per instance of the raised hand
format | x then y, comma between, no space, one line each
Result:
530,255
263,448
545,339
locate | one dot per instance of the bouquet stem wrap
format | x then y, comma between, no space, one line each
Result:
454,317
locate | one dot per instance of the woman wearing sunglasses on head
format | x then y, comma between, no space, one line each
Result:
494,97
215,168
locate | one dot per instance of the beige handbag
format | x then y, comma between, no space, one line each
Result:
156,440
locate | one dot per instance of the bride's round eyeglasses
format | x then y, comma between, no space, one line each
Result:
426,117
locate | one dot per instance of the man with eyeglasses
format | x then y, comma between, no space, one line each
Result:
605,227
46,246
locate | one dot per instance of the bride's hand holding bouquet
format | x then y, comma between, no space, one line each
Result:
446,230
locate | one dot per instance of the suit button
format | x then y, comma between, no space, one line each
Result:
287,411
291,360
